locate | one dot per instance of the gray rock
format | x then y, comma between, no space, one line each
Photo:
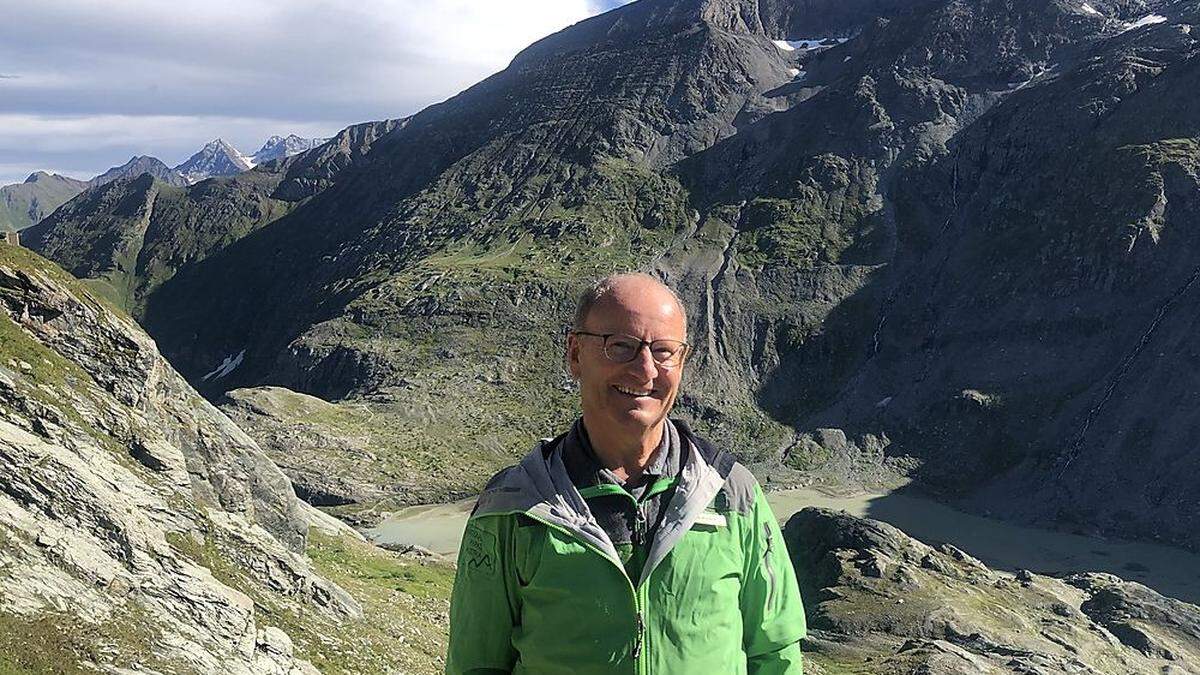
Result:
953,615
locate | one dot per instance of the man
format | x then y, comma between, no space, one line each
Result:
628,544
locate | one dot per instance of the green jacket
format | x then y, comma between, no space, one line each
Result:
540,587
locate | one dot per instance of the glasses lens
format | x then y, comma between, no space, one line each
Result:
667,352
622,348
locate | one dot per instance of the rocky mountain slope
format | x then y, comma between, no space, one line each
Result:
882,603
140,529
358,455
24,204
953,245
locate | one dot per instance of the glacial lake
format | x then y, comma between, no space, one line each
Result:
1168,570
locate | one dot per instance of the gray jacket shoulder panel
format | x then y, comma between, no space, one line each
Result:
499,478
739,489
512,488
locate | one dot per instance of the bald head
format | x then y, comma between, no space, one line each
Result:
621,288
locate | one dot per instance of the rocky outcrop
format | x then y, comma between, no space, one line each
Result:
329,451
138,525
879,601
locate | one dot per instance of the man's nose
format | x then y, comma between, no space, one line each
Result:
643,362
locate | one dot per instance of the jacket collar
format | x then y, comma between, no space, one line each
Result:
541,488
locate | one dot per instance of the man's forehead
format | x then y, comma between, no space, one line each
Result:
652,305
640,292
632,303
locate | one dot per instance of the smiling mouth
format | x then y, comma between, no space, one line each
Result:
633,392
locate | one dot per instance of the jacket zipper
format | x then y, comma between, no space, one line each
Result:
641,656
637,639
767,565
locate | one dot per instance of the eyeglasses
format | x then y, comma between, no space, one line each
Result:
621,348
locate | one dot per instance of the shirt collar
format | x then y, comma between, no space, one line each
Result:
585,469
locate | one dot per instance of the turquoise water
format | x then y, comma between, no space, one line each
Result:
1170,571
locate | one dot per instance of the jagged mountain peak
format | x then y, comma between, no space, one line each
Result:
216,158
219,144
136,166
277,146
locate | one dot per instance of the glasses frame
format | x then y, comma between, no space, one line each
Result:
682,353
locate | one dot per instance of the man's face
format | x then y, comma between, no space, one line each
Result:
637,395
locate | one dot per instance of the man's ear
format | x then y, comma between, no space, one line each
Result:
573,355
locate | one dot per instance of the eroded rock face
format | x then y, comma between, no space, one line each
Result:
129,503
881,600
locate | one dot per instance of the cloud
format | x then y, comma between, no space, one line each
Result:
163,78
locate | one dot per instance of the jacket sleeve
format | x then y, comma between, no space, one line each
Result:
484,606
772,613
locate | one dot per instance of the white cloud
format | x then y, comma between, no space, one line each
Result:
161,78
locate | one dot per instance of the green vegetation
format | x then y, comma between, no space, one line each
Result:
822,220
24,204
620,216
405,611
816,663
59,642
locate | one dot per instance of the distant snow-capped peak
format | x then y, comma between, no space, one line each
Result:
279,146
217,158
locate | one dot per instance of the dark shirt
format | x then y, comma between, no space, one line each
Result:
628,511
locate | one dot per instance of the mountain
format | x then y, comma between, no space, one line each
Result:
217,158
957,250
277,147
24,204
129,236
137,166
142,530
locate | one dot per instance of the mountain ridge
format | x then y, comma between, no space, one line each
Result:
23,204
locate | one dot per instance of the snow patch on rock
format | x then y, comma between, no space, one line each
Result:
1148,20
807,44
227,366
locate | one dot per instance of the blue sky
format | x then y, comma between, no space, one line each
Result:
86,85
